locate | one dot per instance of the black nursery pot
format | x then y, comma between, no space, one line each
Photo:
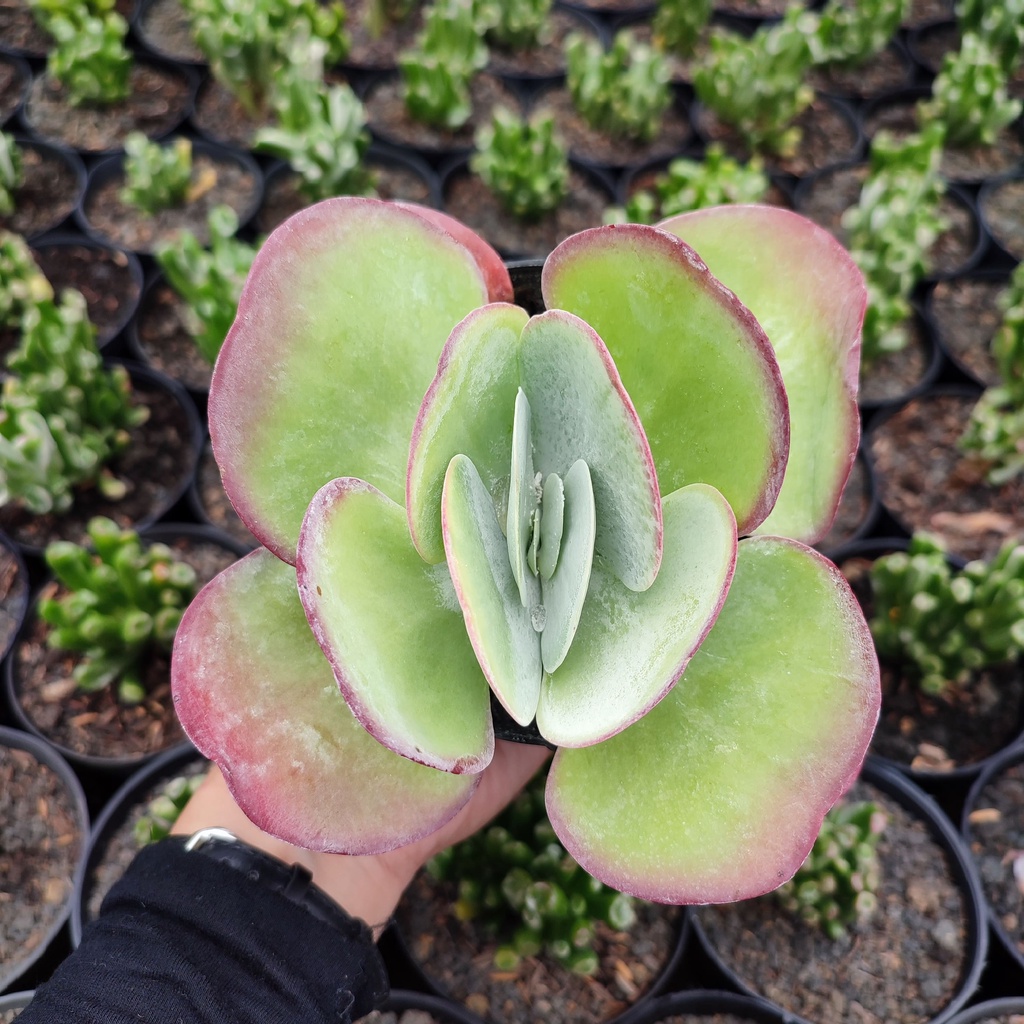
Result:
38,210
15,1001
117,811
42,752
14,593
18,78
971,828
991,1010
923,807
707,1003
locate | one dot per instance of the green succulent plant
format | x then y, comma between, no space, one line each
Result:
459,500
515,24
996,429
757,85
124,601
848,33
890,231
522,162
63,416
947,624
90,57
623,91
165,808
1000,23
209,280
11,173
518,883
157,175
23,286
969,96
678,24
437,71
837,886
695,185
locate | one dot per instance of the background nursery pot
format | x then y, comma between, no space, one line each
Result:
993,827
112,843
14,590
763,951
40,853
706,1007
13,1003
994,1011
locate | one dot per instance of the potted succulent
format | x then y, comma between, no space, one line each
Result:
587,648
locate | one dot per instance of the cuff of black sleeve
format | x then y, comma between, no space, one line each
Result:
186,937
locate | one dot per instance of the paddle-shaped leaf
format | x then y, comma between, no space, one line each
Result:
718,793
255,693
696,364
809,296
339,328
392,630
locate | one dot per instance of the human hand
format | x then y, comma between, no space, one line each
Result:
369,887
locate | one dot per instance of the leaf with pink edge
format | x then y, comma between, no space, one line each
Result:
631,648
255,694
809,296
339,328
694,361
392,629
719,792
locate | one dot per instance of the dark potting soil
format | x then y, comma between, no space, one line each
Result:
50,190
165,28
546,60
891,376
214,500
854,507
377,51
927,10
878,74
459,959
103,276
469,200
13,595
927,483
931,45
215,182
157,103
158,456
390,121
97,724
997,843
405,1017
41,845
19,31
966,315
595,146
219,116
282,197
900,967
827,137
937,734
12,88
1003,209
164,339
120,846
759,8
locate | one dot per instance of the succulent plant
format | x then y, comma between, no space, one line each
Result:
1000,23
163,810
850,33
969,95
11,174
947,624
157,175
623,91
22,284
503,524
996,429
124,600
437,71
209,280
695,185
836,887
515,24
522,163
757,85
516,881
63,416
678,24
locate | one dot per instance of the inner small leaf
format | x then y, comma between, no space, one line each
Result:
553,504
522,499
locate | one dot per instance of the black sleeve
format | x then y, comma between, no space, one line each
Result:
183,939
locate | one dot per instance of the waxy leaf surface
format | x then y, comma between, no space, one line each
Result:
498,623
339,328
255,693
392,630
809,296
694,361
630,648
719,792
